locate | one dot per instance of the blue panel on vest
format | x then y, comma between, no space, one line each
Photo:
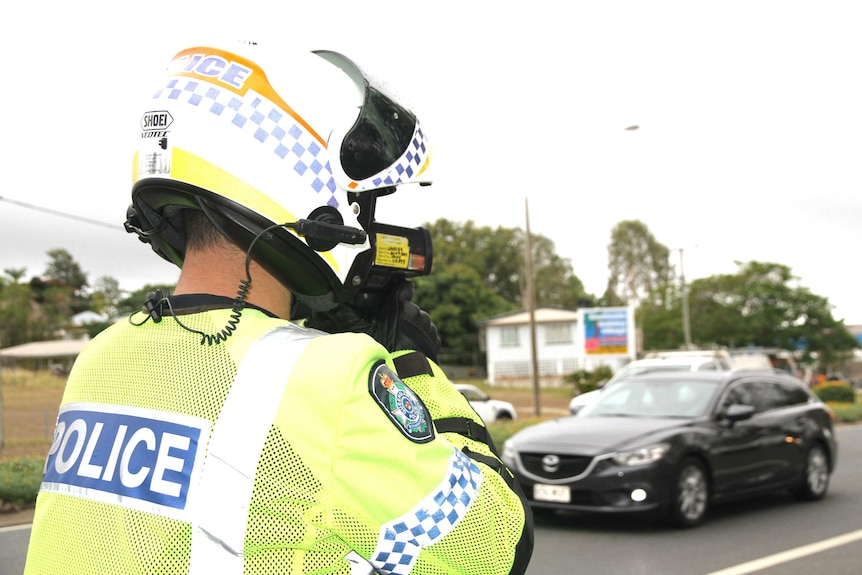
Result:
143,457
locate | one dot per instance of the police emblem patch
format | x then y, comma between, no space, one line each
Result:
400,404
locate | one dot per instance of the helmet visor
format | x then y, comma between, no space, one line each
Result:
385,141
380,136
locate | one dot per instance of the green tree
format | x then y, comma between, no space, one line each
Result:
55,306
15,275
64,270
16,310
638,264
133,301
761,305
64,274
106,296
661,323
478,272
556,283
457,300
497,255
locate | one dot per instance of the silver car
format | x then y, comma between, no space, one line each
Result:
656,363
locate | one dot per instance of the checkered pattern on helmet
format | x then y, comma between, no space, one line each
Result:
436,516
262,120
406,166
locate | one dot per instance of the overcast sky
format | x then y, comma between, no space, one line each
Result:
750,116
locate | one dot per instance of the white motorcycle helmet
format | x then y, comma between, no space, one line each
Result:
305,142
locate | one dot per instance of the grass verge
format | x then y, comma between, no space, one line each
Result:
20,477
19,483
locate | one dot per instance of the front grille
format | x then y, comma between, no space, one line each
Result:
570,465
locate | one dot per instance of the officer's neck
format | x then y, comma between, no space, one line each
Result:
219,270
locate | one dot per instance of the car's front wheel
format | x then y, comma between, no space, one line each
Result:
815,478
690,494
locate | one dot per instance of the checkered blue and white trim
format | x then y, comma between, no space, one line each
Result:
401,540
259,118
407,166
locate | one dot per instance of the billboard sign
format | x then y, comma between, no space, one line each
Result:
608,331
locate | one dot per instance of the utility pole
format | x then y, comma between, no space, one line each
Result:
1,401
686,325
531,305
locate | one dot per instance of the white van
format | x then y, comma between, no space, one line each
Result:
721,357
765,358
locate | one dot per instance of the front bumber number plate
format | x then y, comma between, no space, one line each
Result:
552,493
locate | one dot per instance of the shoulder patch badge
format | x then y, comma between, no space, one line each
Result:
400,404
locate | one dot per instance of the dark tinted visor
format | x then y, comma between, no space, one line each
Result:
379,137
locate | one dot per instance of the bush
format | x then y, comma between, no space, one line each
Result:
589,380
835,391
19,482
847,412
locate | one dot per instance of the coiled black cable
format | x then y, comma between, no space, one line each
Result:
155,301
235,316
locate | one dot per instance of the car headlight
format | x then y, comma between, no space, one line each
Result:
510,454
641,455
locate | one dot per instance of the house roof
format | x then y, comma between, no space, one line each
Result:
37,349
88,316
543,315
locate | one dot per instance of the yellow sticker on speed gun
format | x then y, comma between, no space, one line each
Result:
392,251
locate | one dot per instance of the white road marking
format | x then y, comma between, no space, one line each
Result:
790,554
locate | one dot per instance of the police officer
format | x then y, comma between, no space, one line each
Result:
211,434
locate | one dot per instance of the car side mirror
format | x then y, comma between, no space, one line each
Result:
738,412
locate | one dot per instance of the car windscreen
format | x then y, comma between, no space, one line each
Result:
677,398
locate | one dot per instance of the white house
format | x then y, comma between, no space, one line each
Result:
85,317
566,341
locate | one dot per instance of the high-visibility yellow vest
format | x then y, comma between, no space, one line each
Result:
278,450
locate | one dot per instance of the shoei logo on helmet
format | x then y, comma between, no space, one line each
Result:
156,120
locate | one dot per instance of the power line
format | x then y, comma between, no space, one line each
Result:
62,214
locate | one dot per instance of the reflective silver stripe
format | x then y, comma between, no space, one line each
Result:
221,505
